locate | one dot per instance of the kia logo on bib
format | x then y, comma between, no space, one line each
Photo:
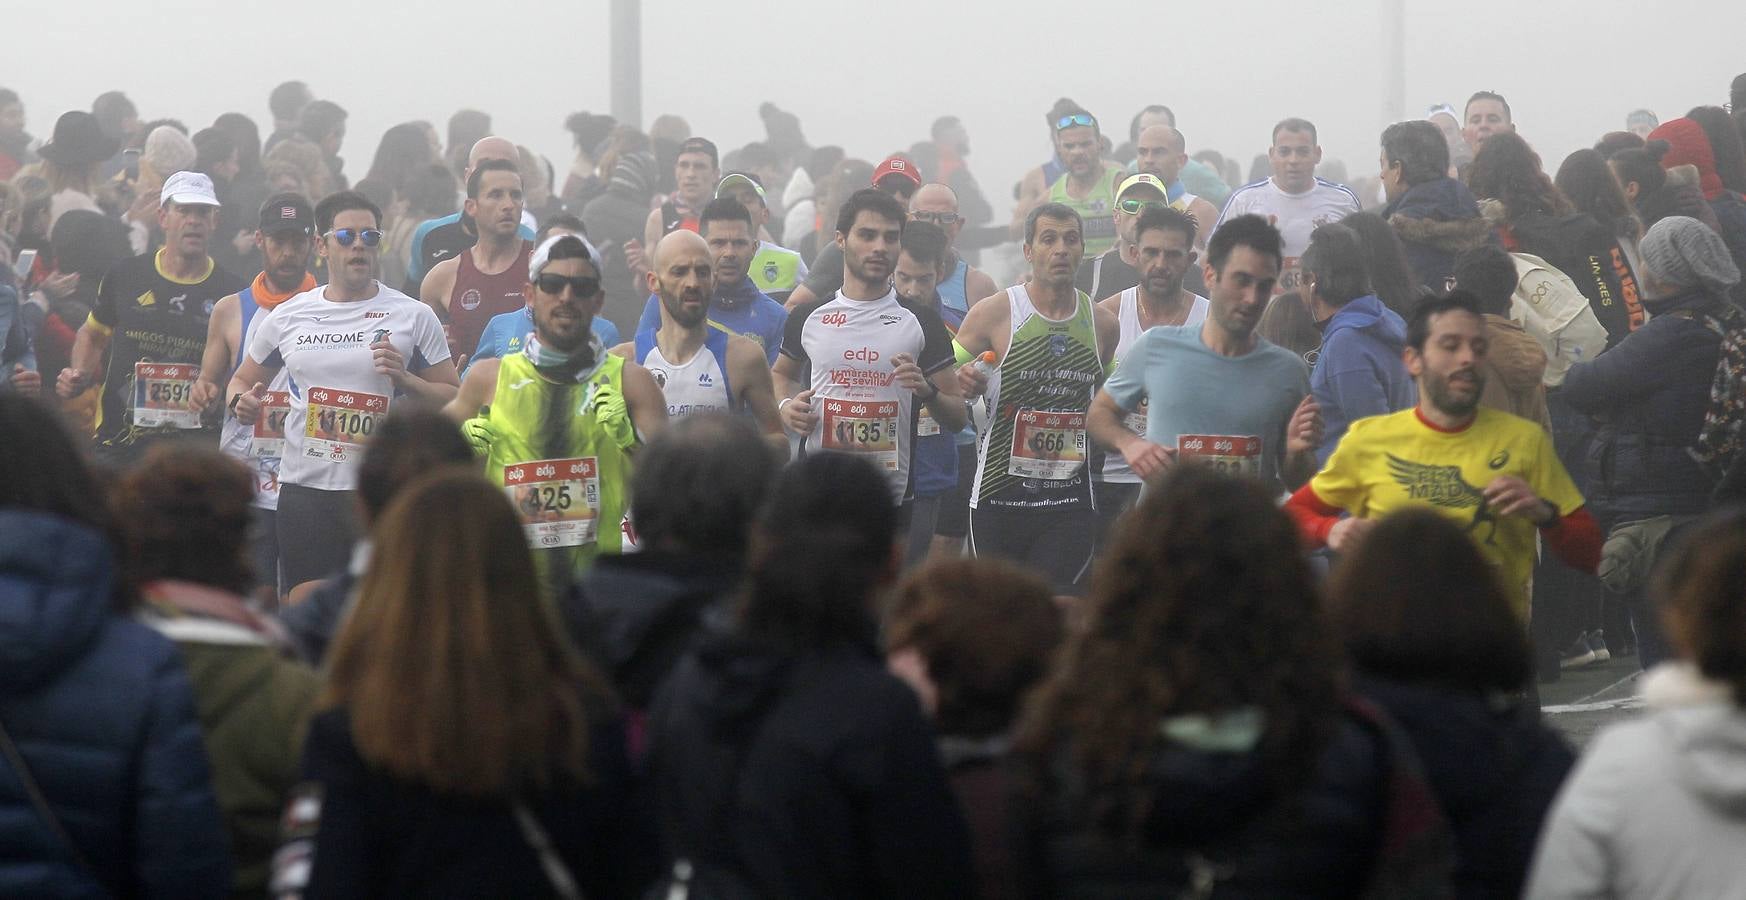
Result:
865,354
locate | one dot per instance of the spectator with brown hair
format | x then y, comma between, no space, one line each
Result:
1657,807
186,514
973,636
1434,642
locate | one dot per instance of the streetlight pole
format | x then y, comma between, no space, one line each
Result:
1394,65
627,62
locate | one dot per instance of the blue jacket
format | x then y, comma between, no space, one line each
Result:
1649,395
102,711
1437,221
1360,373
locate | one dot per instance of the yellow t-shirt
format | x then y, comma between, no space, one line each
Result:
1385,463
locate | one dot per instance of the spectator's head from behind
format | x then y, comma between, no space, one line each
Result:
11,114
972,636
1294,155
1682,255
1413,152
1640,122
1489,274
1416,603
451,663
827,506
286,103
1487,113
1445,353
118,117
1506,169
699,485
46,471
408,444
1701,591
323,122
1333,271
1391,278
186,511
1242,265
1204,605
215,154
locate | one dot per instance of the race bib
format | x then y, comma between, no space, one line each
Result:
1047,445
268,439
1136,420
160,395
1227,453
339,422
926,425
863,426
558,499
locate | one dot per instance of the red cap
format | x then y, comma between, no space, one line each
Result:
897,165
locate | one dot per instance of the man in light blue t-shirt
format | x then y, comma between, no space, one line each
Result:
1217,393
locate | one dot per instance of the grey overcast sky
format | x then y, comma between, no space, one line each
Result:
871,76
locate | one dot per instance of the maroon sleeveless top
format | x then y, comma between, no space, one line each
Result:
476,297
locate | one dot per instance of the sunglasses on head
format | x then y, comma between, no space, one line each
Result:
1083,120
347,236
580,285
942,219
1133,206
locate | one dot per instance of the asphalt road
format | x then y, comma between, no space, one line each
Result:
1584,700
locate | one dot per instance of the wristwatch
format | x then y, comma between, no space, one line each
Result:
1552,519
231,406
935,393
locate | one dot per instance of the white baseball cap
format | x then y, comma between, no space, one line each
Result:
542,254
188,187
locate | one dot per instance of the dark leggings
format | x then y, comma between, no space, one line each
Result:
317,530
1056,542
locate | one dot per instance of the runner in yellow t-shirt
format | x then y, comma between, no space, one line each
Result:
1492,472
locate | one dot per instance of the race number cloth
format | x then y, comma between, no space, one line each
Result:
1385,463
1115,466
160,395
558,499
1190,390
848,346
337,397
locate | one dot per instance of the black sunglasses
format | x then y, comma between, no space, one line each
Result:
942,219
346,236
580,285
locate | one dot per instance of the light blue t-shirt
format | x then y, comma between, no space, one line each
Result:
1234,409
505,332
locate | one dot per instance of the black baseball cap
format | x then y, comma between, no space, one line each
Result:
287,211
700,145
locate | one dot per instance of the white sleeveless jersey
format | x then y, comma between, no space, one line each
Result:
238,440
698,386
1115,467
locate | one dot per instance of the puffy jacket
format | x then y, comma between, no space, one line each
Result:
805,774
1437,221
102,711
1359,372
1495,769
1657,806
1365,825
1649,395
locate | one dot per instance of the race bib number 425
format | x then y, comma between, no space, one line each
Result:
1227,453
863,426
160,395
558,499
1047,445
339,423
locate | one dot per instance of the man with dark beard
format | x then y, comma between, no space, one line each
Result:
558,421
698,368
1492,472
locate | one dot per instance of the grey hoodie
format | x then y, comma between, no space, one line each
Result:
1657,806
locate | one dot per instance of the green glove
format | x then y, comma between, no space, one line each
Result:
477,431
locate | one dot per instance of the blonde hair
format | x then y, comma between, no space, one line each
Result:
453,667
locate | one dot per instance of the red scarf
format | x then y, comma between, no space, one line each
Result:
267,298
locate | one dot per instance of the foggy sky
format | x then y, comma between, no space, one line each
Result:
872,76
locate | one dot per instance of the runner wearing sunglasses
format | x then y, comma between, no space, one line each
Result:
1112,271
558,421
484,280
353,349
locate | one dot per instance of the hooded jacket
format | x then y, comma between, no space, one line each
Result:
1364,825
1495,769
1359,372
1514,367
1586,252
103,714
805,774
1437,221
1649,395
1688,144
1657,806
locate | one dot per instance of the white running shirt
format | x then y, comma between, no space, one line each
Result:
337,398
1295,215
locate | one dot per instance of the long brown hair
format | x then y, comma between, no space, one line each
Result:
1204,604
453,668
1506,169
